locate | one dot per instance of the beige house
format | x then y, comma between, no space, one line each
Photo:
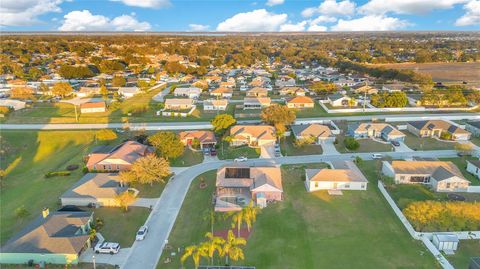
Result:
178,104
119,158
93,107
319,131
190,92
205,138
362,89
435,128
215,105
237,184
441,176
252,135
222,92
257,92
297,91
343,175
375,130
300,102
256,102
340,100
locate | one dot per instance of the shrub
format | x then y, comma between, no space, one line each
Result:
446,136
351,144
57,173
5,110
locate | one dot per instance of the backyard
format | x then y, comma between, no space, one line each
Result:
310,230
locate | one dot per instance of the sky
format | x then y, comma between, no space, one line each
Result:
239,15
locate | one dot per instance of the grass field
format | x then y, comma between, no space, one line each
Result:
426,143
225,152
289,149
188,158
317,111
310,230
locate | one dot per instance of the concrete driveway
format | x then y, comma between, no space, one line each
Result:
329,148
267,151
402,148
145,202
115,259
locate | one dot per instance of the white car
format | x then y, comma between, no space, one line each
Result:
377,156
107,247
240,159
142,232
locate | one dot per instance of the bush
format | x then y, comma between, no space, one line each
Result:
137,109
446,136
72,167
351,144
57,173
5,110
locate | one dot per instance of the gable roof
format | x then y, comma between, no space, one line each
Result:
259,177
314,129
222,90
475,163
257,100
96,185
440,169
378,127
128,151
202,136
437,124
301,100
264,132
343,171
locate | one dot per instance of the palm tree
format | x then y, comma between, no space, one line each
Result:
250,214
196,252
213,244
237,220
226,139
231,248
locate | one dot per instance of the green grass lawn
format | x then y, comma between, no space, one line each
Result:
366,145
58,266
466,250
188,158
316,111
310,230
147,191
461,163
416,143
289,149
476,141
229,152
120,226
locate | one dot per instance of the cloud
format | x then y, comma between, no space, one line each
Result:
407,6
472,14
331,8
370,23
25,12
317,28
198,27
145,3
293,27
272,3
86,21
253,21
323,18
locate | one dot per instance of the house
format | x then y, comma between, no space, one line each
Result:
300,102
257,92
343,175
87,91
216,105
375,130
228,84
256,102
128,92
319,131
99,189
435,128
237,184
285,81
447,243
393,87
52,238
259,82
340,100
178,104
119,158
13,104
252,135
473,127
441,176
222,92
190,92
473,167
206,139
93,107
362,89
296,91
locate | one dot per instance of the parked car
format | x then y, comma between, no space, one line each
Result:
107,247
395,143
142,232
213,152
206,151
240,159
377,156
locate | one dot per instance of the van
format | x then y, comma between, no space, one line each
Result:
377,156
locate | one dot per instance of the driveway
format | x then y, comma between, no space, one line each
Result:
402,148
267,151
159,96
329,148
145,202
116,259
78,100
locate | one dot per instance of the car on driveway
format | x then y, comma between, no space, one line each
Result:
213,152
142,232
395,143
107,247
240,159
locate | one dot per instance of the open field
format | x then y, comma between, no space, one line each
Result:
310,230
444,72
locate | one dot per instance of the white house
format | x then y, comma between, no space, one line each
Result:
128,92
473,167
344,175
215,105
13,104
340,100
190,92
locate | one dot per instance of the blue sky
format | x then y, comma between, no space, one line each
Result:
238,15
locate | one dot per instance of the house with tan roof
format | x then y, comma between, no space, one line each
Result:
99,189
300,102
119,158
222,92
237,184
435,128
93,107
256,102
215,105
319,131
252,135
340,100
285,81
364,89
53,238
343,175
259,82
205,138
190,92
178,104
87,91
257,92
296,91
441,176
228,84
375,130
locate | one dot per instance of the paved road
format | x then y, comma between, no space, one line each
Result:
207,125
146,254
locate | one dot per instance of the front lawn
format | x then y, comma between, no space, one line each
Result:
366,145
316,111
309,230
226,152
120,226
466,250
289,149
461,163
416,143
188,158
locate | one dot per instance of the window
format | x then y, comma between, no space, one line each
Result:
316,184
363,186
118,167
347,186
402,178
448,186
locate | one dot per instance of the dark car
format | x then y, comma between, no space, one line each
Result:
213,152
395,143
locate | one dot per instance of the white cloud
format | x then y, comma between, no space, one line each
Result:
253,21
293,27
25,12
472,14
198,27
331,8
145,3
323,18
370,23
407,6
86,21
317,28
272,3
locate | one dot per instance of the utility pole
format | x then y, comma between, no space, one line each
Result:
76,115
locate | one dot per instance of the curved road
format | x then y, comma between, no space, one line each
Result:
146,254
